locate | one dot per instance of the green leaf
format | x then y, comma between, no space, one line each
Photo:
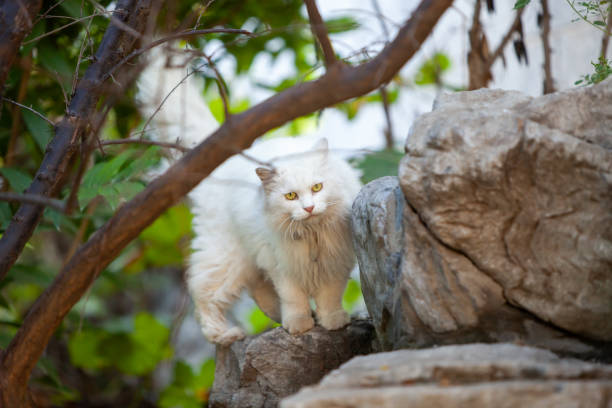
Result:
18,180
599,23
84,349
431,70
520,4
352,295
39,129
378,164
53,59
259,321
341,24
5,214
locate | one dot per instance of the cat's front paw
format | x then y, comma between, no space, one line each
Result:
227,337
335,320
298,324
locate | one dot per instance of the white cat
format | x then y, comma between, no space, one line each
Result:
282,232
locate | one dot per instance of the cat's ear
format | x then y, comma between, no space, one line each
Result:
265,175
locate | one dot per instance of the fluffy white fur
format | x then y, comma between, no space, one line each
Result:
248,235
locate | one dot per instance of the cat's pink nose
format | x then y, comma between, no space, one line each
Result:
309,209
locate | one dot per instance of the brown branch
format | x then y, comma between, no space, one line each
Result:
15,24
145,142
220,85
58,29
16,125
389,130
33,199
605,40
115,44
500,48
549,84
103,246
320,32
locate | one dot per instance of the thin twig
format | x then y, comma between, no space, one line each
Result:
145,142
584,17
220,84
549,85
49,121
605,40
171,37
500,48
78,20
48,11
21,93
320,32
144,128
35,199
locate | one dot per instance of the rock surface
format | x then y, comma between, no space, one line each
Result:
475,375
259,371
502,228
420,292
523,188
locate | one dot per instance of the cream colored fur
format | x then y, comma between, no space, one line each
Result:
249,236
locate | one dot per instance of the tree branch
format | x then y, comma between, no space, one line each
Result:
605,40
34,199
320,32
115,44
145,142
549,85
77,276
15,24
37,113
500,48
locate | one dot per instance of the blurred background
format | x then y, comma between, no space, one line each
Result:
133,340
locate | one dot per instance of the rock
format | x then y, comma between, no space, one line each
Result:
523,189
260,370
420,292
475,375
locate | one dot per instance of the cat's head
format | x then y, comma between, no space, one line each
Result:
302,187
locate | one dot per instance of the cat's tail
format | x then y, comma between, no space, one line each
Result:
170,99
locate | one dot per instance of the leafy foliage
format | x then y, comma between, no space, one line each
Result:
602,71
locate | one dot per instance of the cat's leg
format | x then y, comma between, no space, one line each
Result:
295,306
328,299
263,293
214,290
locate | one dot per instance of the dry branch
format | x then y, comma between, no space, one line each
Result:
15,24
77,276
320,32
549,85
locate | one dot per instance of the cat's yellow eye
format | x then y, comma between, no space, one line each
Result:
291,196
317,187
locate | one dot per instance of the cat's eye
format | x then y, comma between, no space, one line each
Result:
317,187
291,196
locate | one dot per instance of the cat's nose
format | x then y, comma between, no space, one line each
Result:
309,209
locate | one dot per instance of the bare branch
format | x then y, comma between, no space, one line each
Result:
40,115
320,32
77,276
605,40
172,37
58,29
549,85
145,142
34,199
15,24
220,84
500,48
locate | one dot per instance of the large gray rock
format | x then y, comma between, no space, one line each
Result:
420,292
259,371
475,376
523,189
